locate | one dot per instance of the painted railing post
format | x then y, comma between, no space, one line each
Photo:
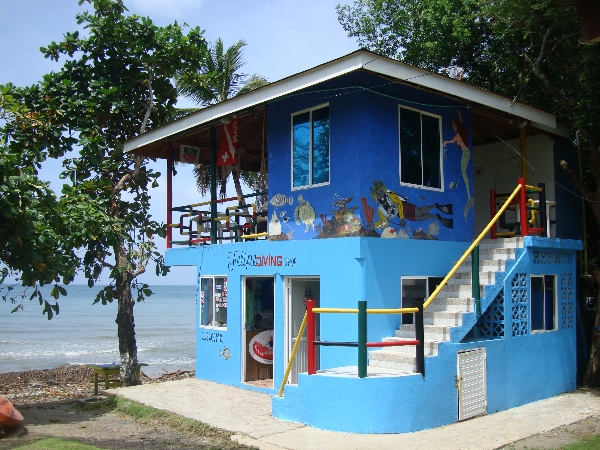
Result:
310,337
420,336
475,287
523,208
542,205
362,339
493,212
213,184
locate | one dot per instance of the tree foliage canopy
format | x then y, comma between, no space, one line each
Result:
114,83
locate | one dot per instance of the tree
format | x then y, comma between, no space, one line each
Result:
525,49
115,83
216,81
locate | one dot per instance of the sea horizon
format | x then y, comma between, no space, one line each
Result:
84,333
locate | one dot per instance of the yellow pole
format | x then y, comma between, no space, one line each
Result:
470,249
292,357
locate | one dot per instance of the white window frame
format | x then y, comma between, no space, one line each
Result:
310,152
212,325
420,186
554,304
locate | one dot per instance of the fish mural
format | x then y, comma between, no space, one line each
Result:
280,200
274,225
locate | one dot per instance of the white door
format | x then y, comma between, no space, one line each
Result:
296,290
471,383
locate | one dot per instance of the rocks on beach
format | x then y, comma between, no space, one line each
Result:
61,383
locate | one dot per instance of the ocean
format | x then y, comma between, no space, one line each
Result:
83,333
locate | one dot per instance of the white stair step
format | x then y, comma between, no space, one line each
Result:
432,332
460,304
450,318
456,290
516,242
431,347
488,277
392,360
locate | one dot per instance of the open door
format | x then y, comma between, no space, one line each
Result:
259,299
297,290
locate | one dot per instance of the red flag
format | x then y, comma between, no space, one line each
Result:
229,139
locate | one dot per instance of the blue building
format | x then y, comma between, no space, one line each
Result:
380,177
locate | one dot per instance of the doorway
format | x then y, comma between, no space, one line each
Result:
259,301
297,290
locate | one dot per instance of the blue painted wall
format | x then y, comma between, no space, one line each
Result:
350,270
364,147
520,368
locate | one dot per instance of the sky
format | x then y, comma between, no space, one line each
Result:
283,37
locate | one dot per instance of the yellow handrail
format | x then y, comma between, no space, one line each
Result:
292,356
470,249
252,236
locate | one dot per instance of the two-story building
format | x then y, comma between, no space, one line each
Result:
380,177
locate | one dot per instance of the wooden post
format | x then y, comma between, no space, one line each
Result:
362,339
213,184
420,336
524,219
170,169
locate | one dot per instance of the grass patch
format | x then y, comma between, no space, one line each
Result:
147,415
590,443
54,443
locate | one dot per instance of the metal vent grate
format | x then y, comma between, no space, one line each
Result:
471,383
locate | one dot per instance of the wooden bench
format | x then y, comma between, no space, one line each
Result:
106,370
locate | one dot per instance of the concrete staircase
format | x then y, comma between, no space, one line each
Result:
447,309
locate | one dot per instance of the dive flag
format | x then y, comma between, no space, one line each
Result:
189,154
229,139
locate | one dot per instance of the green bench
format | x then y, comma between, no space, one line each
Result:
106,370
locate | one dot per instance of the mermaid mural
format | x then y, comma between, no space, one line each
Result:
461,139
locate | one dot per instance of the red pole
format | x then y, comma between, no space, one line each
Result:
169,196
523,208
493,212
310,336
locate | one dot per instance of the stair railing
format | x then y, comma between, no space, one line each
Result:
361,344
475,261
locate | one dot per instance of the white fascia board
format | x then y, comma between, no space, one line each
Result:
414,75
265,94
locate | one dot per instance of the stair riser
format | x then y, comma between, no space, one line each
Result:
404,367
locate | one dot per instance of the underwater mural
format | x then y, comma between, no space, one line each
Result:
461,139
391,207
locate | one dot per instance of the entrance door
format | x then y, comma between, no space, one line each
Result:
297,290
471,383
258,330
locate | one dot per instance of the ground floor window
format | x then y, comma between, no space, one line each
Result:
413,288
542,307
213,301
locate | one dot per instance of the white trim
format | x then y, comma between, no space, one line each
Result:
310,148
361,59
441,151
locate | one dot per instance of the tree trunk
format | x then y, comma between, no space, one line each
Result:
125,323
592,374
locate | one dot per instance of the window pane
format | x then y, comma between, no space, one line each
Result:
320,162
301,143
206,301
221,301
549,302
537,303
410,147
431,151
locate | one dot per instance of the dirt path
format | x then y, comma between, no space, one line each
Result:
104,429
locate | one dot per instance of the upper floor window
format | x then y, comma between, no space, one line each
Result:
420,149
310,147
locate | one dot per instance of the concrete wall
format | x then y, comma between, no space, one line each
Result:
350,270
364,147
